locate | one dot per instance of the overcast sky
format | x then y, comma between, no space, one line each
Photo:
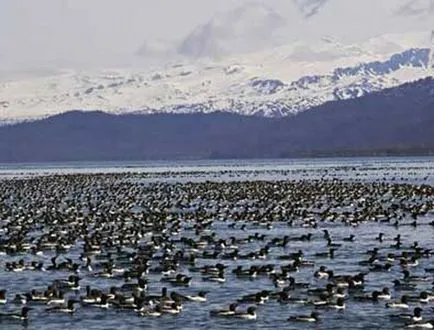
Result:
66,29
37,33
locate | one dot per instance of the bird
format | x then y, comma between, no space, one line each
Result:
225,312
155,312
421,325
69,308
415,317
402,303
23,315
3,299
313,317
250,314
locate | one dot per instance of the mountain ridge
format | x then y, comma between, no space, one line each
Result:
394,121
269,83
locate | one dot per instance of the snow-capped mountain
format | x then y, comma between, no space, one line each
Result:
310,8
245,29
254,26
276,82
395,121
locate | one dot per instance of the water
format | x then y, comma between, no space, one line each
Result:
413,171
396,169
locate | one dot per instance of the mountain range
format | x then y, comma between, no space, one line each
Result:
254,26
272,83
395,121
316,77
249,60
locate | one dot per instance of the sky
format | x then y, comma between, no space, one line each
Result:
48,33
68,29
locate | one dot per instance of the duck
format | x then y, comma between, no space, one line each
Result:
373,297
340,293
380,237
247,273
107,272
422,325
371,261
331,244
415,317
258,298
414,278
173,308
327,292
200,297
141,285
163,298
72,283
22,316
322,273
220,278
402,303
413,262
313,317
122,302
36,266
15,266
92,296
225,312
3,299
69,308
19,299
103,302
385,294
423,298
398,285
339,304
297,285
39,297
322,302
57,299
249,314
351,238
155,312
329,254
381,268
373,252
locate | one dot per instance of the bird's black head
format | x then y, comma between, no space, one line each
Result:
418,311
251,310
24,311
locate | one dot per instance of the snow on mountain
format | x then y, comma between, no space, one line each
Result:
247,28
157,48
254,26
310,8
276,82
416,8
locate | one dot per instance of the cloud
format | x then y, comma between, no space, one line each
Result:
416,7
310,8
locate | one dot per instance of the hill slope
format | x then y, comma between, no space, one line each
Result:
274,83
394,121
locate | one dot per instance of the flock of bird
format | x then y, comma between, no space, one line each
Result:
147,248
